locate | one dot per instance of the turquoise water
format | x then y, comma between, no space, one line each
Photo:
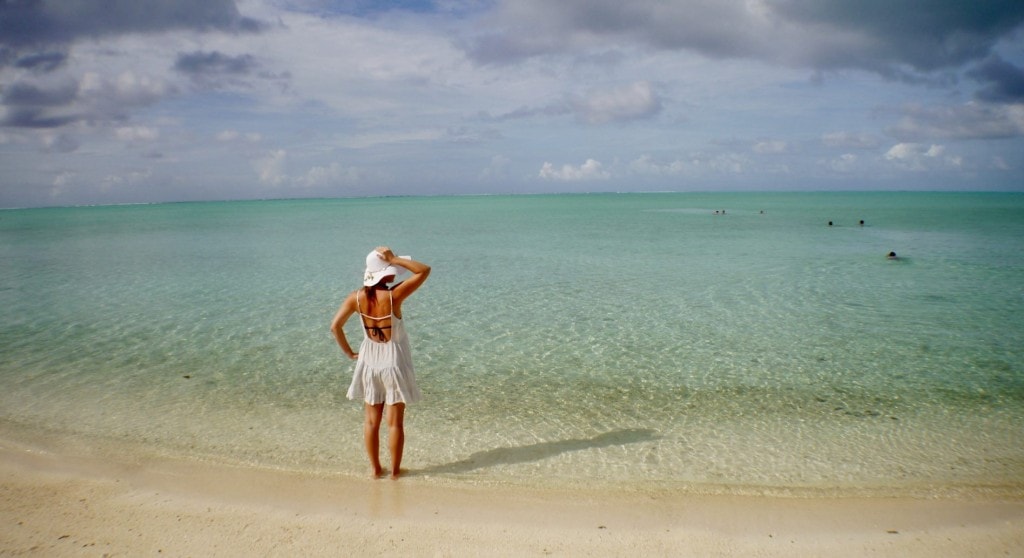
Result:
561,340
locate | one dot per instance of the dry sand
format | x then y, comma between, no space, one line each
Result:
64,506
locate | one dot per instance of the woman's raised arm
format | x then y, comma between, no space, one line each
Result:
420,271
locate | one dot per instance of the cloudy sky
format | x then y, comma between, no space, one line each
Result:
126,101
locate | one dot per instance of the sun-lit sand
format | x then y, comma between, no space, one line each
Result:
54,505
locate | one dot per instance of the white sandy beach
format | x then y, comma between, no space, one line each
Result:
63,506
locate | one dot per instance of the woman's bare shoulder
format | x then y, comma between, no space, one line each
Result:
351,298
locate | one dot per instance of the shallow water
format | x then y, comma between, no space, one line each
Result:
565,340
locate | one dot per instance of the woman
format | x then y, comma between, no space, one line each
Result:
384,376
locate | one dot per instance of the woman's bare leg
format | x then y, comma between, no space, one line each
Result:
396,436
371,435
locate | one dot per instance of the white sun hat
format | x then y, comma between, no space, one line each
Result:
377,269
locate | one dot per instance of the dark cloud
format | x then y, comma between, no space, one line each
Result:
33,31
28,105
42,61
509,46
926,35
375,8
34,117
521,29
27,94
34,22
42,103
1002,82
214,63
36,36
901,39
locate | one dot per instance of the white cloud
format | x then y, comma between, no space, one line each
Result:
90,83
770,147
967,121
590,170
905,151
228,136
921,157
843,164
271,167
645,164
362,67
128,179
329,175
140,89
59,142
850,140
137,133
61,183
634,101
498,168
728,163
385,137
697,164
629,102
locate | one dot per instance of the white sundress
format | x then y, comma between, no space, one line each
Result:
384,371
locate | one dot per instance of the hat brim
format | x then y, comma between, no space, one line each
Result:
371,278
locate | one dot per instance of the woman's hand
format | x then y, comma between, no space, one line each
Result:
385,253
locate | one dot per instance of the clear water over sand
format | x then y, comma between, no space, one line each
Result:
561,340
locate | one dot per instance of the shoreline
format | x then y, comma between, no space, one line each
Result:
58,505
89,456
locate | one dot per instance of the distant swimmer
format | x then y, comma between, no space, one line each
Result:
892,256
862,222
830,223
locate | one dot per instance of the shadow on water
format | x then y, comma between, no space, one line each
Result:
538,452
